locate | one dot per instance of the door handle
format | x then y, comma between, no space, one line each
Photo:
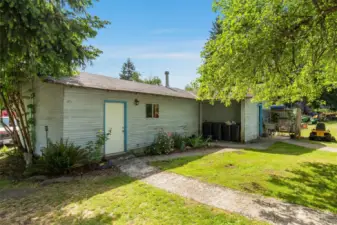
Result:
123,130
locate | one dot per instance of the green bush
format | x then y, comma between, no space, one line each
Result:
95,148
12,163
198,142
163,144
179,141
60,158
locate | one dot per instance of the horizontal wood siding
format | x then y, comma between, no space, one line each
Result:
83,115
49,112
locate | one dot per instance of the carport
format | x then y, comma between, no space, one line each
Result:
244,114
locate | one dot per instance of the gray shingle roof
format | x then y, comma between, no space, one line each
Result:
95,81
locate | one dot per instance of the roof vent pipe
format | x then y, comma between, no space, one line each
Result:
167,84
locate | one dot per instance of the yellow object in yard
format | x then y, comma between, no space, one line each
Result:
319,133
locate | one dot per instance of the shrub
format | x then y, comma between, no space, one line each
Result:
198,142
12,164
163,144
95,148
60,158
179,141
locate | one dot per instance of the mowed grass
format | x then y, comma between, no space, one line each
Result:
106,200
295,174
331,125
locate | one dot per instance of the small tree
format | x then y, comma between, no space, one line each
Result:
152,80
192,86
128,70
136,76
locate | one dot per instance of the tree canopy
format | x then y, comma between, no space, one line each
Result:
129,73
192,86
128,70
216,29
152,80
41,38
280,51
46,37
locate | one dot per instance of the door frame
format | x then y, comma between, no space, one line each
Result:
125,103
260,119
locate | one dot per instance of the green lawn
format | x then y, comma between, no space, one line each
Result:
332,126
295,174
109,200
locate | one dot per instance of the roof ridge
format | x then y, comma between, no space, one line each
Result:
98,81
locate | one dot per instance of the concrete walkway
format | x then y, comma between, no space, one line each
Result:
309,145
253,206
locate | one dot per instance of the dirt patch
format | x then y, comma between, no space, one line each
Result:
16,193
252,187
230,165
112,172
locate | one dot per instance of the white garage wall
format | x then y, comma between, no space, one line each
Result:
49,112
83,115
250,120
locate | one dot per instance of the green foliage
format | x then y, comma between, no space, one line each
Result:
95,148
179,141
45,37
192,86
279,51
41,38
152,80
12,164
129,73
60,158
128,70
198,142
136,76
163,144
329,98
216,29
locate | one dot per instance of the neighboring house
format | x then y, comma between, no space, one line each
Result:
77,107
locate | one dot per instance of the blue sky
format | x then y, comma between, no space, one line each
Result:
157,35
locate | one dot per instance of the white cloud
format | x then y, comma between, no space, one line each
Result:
187,50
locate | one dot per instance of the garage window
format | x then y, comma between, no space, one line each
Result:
152,110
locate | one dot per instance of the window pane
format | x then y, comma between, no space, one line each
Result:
156,111
148,110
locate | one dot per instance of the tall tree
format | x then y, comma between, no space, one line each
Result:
153,80
280,51
216,29
41,38
128,70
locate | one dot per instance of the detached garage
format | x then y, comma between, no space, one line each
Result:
75,108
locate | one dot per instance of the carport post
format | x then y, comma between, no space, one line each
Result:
200,118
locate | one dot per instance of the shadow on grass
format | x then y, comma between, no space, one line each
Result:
174,163
50,200
314,185
281,148
103,218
